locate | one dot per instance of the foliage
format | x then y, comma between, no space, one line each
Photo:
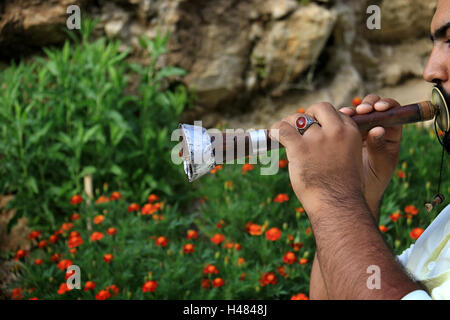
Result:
72,113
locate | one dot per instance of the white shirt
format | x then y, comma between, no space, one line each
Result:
428,260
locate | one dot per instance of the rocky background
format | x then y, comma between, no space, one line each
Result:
252,62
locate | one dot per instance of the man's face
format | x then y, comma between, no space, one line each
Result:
438,66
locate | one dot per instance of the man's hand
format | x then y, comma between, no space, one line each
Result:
325,164
380,150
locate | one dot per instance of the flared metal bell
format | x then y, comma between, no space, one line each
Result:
443,114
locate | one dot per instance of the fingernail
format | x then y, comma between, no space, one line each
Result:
364,105
382,104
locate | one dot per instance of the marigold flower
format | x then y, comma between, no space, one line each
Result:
242,276
67,226
74,217
113,289
89,285
218,238
34,234
148,209
308,230
150,286
206,283
74,241
108,257
133,207
356,101
282,197
96,236
237,246
299,210
395,216
63,288
68,274
228,185
289,257
301,110
20,254
76,199
229,245
296,245
152,198
42,243
55,257
34,298
416,233
240,261
281,271
102,199
273,234
218,282
103,295
217,168
299,296
73,250
115,196
111,231
192,234
161,241
99,219
255,229
282,163
188,248
383,228
247,167
303,261
210,269
38,261
64,264
412,210
17,294
400,174
268,278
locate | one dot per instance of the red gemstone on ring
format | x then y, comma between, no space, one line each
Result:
301,122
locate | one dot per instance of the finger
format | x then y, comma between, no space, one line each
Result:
367,104
375,134
386,104
348,121
350,111
284,133
326,115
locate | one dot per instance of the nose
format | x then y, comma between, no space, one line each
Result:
436,69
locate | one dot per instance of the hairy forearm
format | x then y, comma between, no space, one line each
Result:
348,242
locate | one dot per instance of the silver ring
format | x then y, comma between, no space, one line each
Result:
303,122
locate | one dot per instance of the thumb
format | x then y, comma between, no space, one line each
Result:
376,143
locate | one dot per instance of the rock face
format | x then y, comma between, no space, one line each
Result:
236,52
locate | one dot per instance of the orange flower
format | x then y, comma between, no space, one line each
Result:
152,198
282,197
112,289
356,101
161,241
74,241
382,228
108,257
102,199
148,209
76,199
283,163
96,236
273,234
133,207
303,261
55,257
90,285
115,196
192,234
42,244
188,248
210,269
67,226
242,276
296,245
308,230
415,233
63,288
441,133
74,217
400,174
289,257
395,216
247,167
217,168
38,261
412,210
240,261
206,283
281,271
301,110
255,229
268,278
17,294
218,238
20,254
64,264
218,282
69,274
103,295
228,185
149,286
99,219
299,210
237,246
299,296
34,235
111,231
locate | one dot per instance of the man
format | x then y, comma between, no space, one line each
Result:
342,196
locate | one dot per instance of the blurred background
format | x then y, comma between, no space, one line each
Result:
251,62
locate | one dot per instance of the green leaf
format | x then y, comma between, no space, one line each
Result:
89,170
